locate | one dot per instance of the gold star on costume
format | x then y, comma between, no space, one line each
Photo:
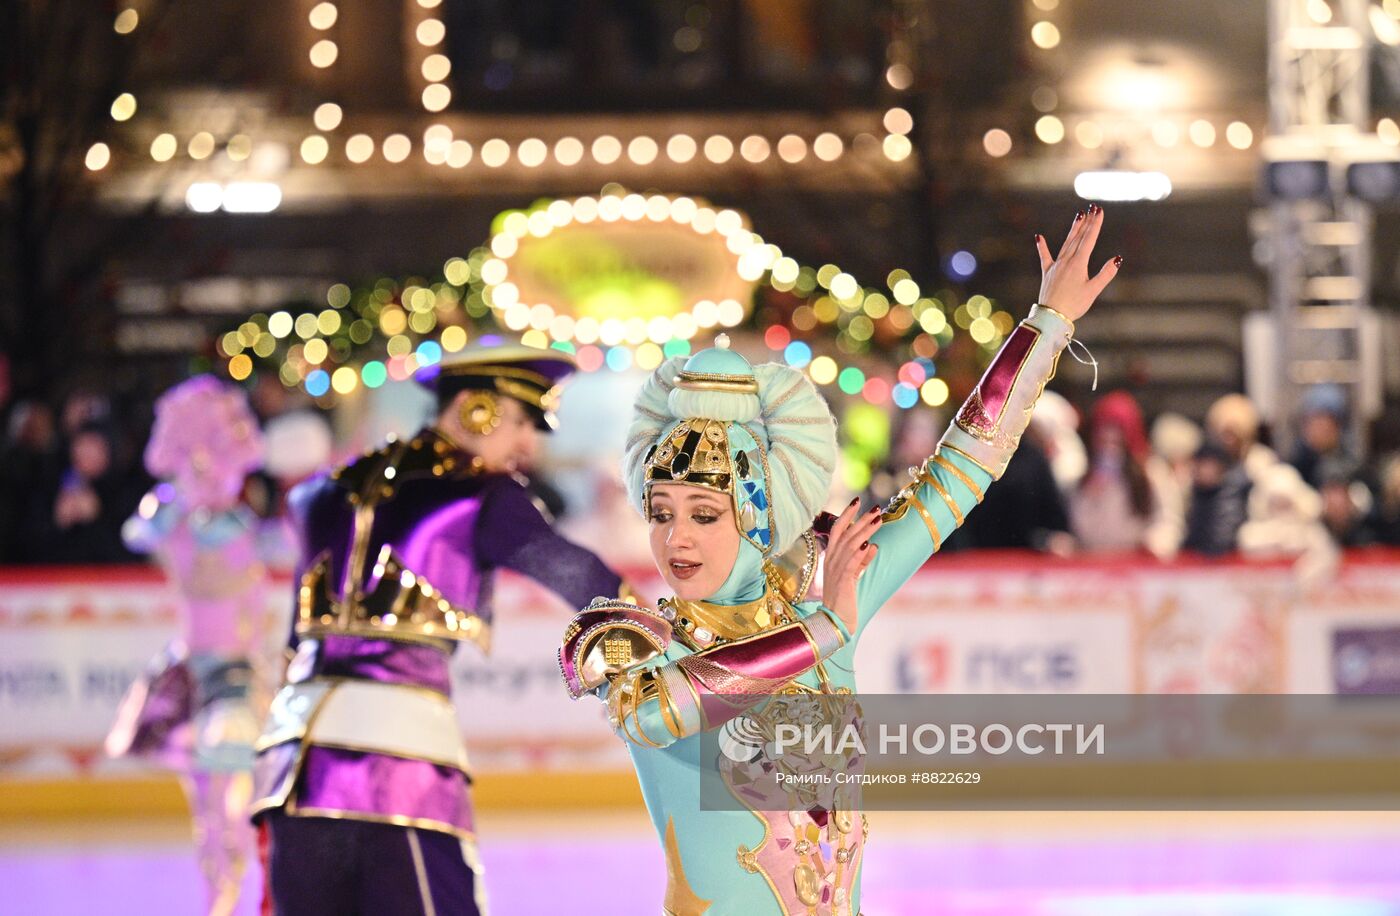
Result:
681,899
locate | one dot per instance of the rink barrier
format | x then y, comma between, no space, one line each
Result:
26,800
72,638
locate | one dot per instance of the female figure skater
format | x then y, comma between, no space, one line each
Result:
194,710
730,463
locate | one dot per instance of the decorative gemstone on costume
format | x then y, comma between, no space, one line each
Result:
741,464
808,885
748,517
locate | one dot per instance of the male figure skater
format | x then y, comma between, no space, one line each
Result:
362,783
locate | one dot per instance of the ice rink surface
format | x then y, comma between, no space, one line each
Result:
985,864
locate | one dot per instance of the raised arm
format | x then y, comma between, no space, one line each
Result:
987,429
657,692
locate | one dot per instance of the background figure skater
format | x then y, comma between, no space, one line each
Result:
196,708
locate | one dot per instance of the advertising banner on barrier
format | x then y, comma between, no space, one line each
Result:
70,644
71,641
965,631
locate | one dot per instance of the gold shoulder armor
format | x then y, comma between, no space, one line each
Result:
607,638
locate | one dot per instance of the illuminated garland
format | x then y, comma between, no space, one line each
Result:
440,147
389,329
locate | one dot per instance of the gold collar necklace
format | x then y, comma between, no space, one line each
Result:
706,624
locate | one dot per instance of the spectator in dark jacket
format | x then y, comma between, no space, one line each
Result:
29,465
1346,501
1321,448
81,518
1219,500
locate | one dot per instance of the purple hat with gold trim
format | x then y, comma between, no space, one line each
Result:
528,374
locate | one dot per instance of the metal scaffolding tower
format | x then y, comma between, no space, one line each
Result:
1320,275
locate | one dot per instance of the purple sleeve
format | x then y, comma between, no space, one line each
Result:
512,533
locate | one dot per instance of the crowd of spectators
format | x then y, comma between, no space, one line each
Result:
1112,484
70,475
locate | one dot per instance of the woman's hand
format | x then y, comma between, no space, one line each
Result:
76,506
848,552
1065,284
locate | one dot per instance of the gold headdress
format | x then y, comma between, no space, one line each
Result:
711,446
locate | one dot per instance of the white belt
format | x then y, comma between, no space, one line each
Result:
396,719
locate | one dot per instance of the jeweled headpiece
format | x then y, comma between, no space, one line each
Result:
759,433
719,456
695,452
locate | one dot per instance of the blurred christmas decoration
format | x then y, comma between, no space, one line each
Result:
623,280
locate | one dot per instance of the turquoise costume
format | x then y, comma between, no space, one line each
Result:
764,436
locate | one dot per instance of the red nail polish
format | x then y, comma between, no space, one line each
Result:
1079,214
1118,261
864,544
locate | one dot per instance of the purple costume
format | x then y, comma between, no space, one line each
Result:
398,549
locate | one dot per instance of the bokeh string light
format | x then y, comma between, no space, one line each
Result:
410,324
639,152
324,50
392,327
433,67
1046,34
